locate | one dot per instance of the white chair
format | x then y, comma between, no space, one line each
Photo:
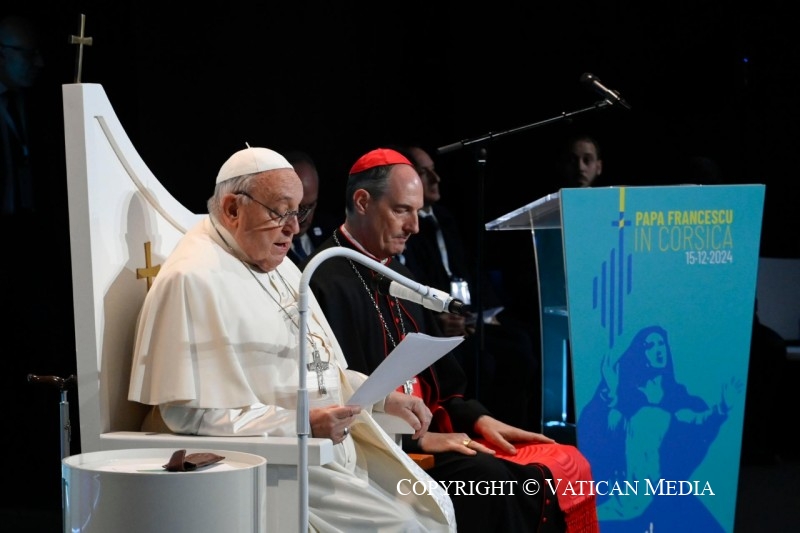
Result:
123,224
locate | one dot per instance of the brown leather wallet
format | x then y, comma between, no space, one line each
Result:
180,462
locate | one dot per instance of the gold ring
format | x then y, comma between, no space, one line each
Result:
466,442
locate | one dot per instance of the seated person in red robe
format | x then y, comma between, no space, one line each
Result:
383,195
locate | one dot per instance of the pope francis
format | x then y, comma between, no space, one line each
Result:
217,348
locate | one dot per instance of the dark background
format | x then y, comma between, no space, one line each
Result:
192,85
339,78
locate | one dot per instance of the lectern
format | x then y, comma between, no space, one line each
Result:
646,301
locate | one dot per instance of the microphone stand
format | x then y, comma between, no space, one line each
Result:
303,418
481,158
496,135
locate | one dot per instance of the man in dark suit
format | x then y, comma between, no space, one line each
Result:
506,375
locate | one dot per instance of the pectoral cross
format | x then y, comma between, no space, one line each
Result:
319,366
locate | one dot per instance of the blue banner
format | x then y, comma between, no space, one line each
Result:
660,288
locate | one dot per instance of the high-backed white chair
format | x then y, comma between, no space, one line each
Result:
123,224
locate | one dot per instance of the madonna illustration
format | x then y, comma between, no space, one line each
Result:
644,425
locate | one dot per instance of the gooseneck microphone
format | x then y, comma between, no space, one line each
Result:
612,97
433,299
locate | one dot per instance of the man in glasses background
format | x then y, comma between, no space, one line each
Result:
318,225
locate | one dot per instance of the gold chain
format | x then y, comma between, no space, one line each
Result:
318,365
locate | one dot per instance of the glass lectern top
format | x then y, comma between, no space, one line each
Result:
543,213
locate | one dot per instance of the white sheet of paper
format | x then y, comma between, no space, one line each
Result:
416,352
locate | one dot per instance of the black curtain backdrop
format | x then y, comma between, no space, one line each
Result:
191,85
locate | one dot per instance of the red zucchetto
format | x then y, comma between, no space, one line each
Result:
378,158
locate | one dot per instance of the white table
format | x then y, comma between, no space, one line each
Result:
129,491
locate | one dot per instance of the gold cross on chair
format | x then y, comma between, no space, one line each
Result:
149,271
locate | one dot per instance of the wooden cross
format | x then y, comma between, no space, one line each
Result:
80,40
319,366
149,271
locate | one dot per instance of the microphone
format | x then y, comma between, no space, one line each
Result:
612,97
433,299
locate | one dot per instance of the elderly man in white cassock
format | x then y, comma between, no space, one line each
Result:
217,349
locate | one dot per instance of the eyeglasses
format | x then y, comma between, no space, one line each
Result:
282,219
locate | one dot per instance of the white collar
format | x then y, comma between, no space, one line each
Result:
359,246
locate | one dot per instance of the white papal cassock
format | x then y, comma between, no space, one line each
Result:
217,350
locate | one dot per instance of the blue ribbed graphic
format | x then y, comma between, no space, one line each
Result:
615,280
